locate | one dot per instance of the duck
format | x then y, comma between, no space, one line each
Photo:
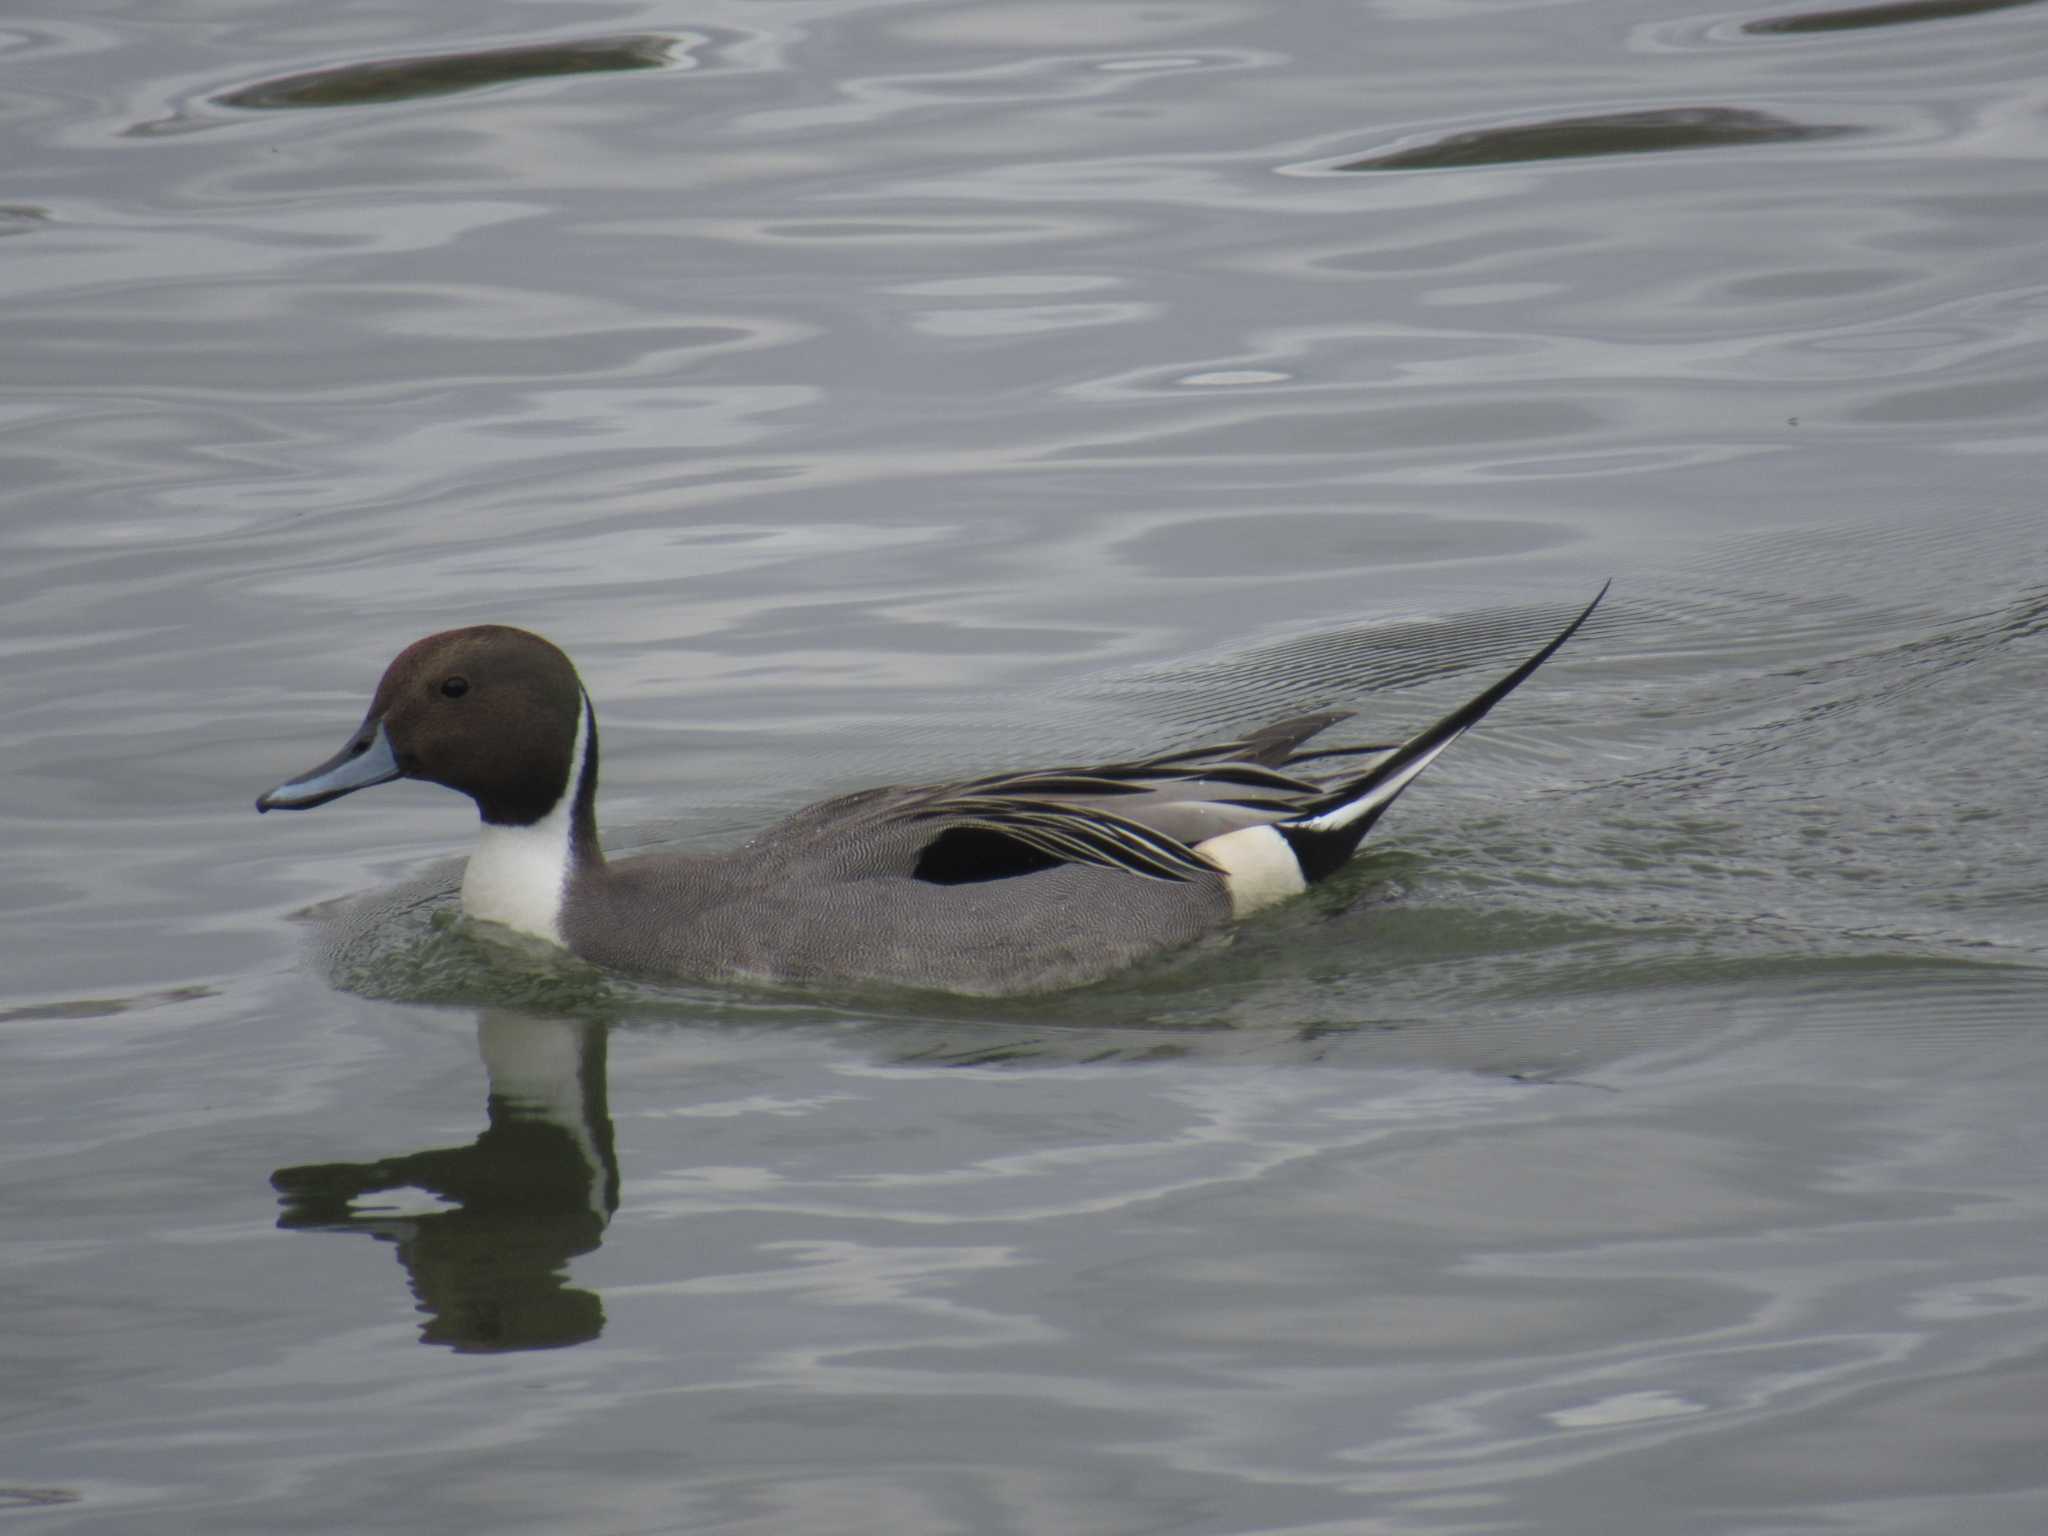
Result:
1012,884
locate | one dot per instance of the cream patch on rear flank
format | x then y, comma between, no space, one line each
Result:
519,876
1259,868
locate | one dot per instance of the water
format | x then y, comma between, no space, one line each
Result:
1645,1136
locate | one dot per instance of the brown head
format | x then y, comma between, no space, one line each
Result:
490,711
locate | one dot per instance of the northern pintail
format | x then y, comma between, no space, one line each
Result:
1018,883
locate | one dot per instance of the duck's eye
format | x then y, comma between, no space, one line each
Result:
454,687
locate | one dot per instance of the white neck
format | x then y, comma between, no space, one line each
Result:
519,876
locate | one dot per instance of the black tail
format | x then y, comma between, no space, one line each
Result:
1329,830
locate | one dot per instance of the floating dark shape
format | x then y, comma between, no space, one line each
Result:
445,74
1615,133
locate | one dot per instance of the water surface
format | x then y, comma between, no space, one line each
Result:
1643,1136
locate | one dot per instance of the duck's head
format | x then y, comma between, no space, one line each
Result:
491,711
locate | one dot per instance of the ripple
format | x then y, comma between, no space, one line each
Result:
1042,81
1094,24
1231,378
994,285
1029,319
1469,422
1335,663
910,232
1280,544
2020,396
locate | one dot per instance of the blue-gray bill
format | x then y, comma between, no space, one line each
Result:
366,760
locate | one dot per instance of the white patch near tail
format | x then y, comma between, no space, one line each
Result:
1259,868
1375,797
519,876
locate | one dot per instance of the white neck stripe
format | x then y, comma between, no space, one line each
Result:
519,876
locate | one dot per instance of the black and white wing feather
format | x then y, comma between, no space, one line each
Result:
1246,810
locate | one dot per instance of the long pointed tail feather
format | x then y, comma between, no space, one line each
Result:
1326,832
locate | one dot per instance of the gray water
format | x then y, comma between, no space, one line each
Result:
1644,1136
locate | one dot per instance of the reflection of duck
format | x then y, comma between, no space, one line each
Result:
532,1192
1021,883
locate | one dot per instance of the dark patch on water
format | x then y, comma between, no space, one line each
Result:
36,1498
1903,13
101,1008
1613,133
19,218
445,74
